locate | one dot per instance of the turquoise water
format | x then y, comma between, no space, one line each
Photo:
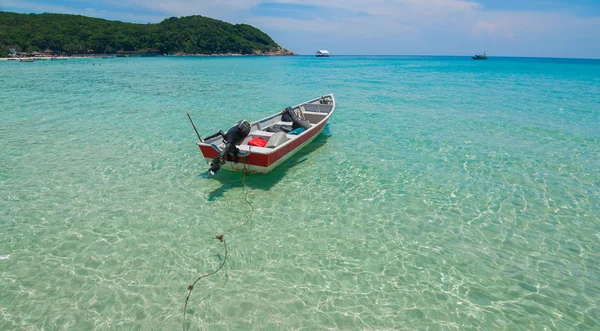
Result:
444,193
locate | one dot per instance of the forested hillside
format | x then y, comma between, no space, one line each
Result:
78,34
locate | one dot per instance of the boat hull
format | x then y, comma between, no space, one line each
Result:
264,163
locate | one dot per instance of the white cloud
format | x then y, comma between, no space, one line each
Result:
38,7
29,6
353,27
492,30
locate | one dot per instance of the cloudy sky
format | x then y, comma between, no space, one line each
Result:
549,28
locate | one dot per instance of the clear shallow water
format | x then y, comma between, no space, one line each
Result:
445,194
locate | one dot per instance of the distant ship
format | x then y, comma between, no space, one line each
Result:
322,53
480,57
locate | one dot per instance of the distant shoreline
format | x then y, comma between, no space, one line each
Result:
159,56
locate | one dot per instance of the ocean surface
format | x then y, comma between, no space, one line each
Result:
444,194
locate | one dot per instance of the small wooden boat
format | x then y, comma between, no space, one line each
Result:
26,60
282,134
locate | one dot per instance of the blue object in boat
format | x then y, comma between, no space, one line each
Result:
297,131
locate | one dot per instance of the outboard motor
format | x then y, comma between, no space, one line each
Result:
232,138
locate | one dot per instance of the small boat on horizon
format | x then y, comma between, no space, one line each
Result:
260,146
322,53
26,60
480,56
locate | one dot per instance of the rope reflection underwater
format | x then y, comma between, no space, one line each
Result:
221,238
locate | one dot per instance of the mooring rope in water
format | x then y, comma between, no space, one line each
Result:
248,202
191,287
221,238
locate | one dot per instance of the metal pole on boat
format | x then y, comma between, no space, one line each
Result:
188,114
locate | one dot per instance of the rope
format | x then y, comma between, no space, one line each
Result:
248,202
221,238
191,287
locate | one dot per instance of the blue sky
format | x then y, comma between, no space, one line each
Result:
552,28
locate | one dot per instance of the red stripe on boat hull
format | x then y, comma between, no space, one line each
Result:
265,160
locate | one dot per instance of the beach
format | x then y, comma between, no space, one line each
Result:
444,193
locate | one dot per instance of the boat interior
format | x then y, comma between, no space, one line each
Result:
314,112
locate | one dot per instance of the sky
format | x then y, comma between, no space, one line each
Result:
536,28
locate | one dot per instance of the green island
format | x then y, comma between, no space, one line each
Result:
63,34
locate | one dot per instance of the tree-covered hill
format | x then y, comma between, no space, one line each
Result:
80,34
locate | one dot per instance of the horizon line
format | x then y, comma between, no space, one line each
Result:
464,55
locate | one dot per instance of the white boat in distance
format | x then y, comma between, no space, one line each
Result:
322,53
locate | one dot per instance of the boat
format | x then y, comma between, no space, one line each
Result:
480,56
260,146
322,53
107,57
26,60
